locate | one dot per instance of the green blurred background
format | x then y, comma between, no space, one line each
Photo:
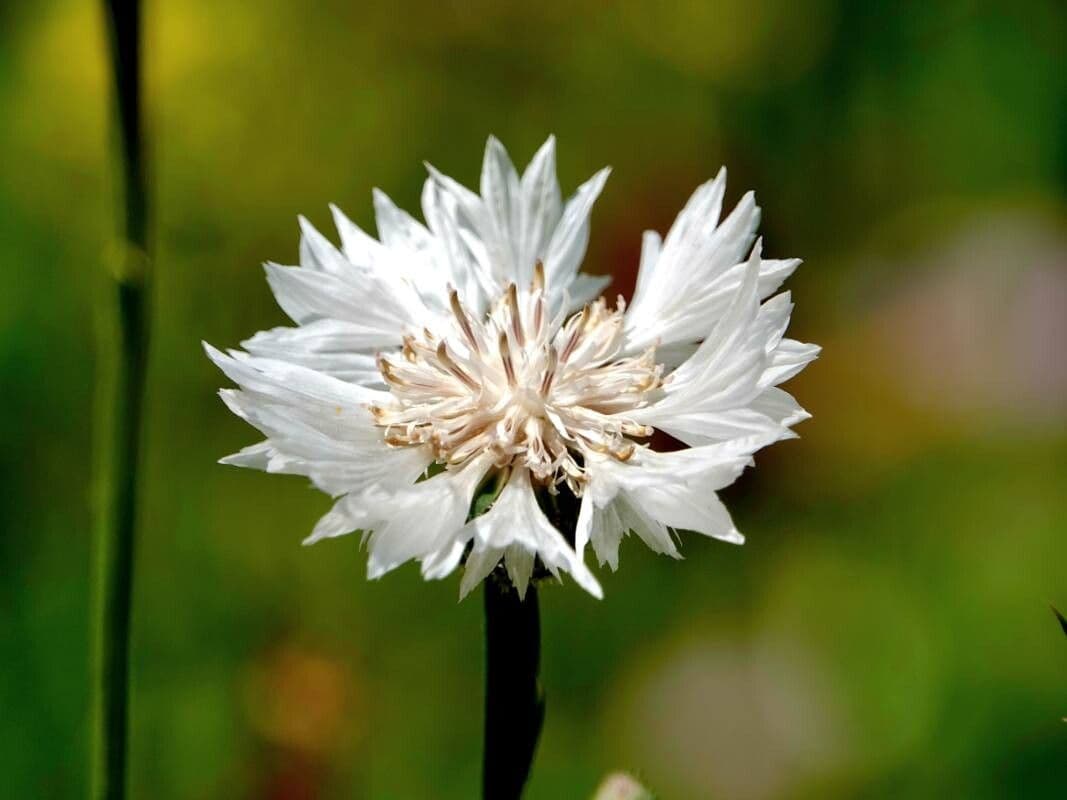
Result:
885,633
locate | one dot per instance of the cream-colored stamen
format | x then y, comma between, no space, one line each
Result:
529,392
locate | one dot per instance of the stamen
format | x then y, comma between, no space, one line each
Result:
516,318
579,326
550,371
633,429
409,348
539,314
539,276
505,357
560,392
386,368
464,322
453,367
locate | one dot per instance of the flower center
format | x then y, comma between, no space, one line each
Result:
526,389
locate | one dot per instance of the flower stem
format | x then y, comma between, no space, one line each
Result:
121,362
514,699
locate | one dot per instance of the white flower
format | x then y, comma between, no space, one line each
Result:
466,357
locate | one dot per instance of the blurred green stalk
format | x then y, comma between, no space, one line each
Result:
514,700
121,358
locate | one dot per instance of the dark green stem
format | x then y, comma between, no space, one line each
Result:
514,700
121,362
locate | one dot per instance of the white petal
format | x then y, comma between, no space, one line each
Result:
380,317
583,528
567,246
686,283
705,427
317,253
718,393
774,317
295,385
500,195
634,517
608,525
686,508
516,526
478,232
335,444
773,272
255,456
442,563
420,520
315,425
519,563
703,308
329,346
479,564
539,209
651,244
673,355
723,373
359,247
780,406
332,468
467,275
397,228
517,221
788,358
663,267
606,535
345,517
654,493
414,262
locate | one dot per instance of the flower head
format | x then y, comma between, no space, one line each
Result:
467,358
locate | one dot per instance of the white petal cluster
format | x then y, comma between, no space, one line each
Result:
467,358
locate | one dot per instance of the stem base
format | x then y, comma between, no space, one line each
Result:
514,699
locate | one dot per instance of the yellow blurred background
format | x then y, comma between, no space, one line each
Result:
884,633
